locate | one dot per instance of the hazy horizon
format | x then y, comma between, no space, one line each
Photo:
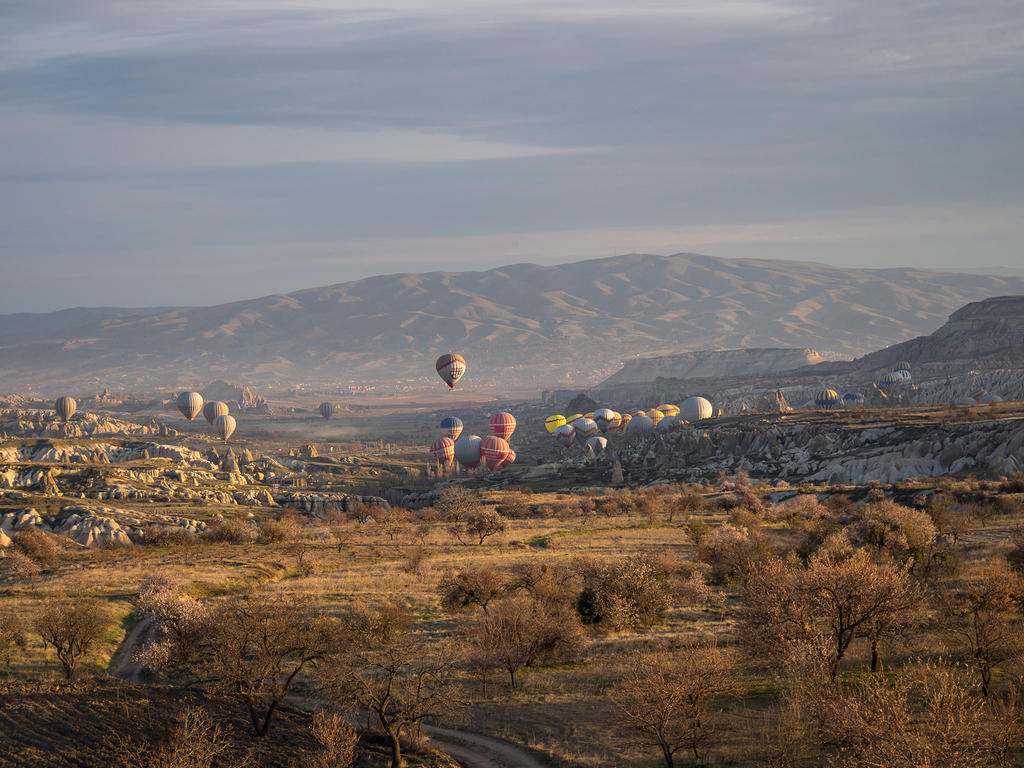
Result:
191,153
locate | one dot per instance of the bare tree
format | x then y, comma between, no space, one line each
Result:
732,551
520,632
982,619
478,525
72,629
253,648
195,742
810,616
470,586
393,673
926,717
455,503
12,635
550,584
669,698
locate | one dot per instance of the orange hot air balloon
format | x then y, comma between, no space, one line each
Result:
450,368
503,425
509,460
494,450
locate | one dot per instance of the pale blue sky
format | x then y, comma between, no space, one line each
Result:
197,151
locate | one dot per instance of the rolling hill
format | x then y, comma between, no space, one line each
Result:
522,326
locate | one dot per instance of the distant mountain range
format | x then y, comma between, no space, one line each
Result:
521,327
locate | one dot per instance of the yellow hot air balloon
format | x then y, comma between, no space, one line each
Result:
655,415
668,409
553,422
571,419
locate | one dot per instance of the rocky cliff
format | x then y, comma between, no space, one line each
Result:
713,362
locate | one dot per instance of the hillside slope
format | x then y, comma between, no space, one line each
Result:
520,326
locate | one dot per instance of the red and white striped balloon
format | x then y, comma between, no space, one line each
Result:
495,450
443,450
503,425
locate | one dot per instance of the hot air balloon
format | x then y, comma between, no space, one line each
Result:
902,366
616,423
668,421
509,460
452,425
624,420
990,398
571,419
965,401
585,428
495,450
696,409
467,451
502,424
213,409
668,409
604,417
827,399
639,426
326,410
224,426
450,368
443,450
655,415
853,399
596,444
65,407
890,380
565,434
551,423
190,404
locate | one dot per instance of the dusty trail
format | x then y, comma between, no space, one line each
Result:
470,750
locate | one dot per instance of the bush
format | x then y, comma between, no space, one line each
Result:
633,592
893,530
16,566
732,552
232,531
161,534
37,546
276,531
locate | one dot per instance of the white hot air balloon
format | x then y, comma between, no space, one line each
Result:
224,426
190,404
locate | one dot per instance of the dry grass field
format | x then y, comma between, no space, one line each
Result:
563,705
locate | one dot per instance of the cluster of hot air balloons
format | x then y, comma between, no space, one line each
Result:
588,429
215,412
470,450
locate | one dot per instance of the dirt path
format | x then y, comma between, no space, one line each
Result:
122,663
474,750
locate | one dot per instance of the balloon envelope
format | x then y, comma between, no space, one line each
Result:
326,410
224,426
853,399
509,460
65,407
669,409
551,423
190,404
450,368
990,398
503,425
565,434
452,425
585,428
604,417
443,450
696,409
827,399
596,444
213,409
639,425
495,450
668,421
467,451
